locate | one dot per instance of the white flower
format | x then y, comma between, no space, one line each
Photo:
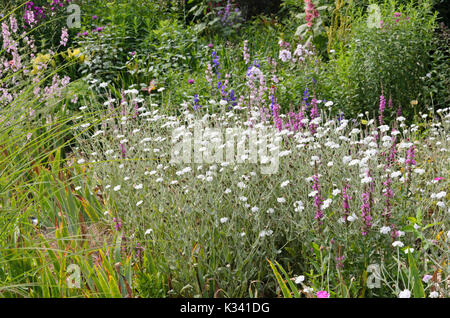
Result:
385,230
148,231
326,204
352,217
336,192
255,209
313,193
243,199
397,244
440,204
80,161
440,195
298,206
223,220
299,279
117,188
308,290
265,233
346,159
330,164
404,294
329,103
396,174
281,200
409,250
270,210
434,294
284,183
227,190
139,203
366,180
419,171
241,185
138,186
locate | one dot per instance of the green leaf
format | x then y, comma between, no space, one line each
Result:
283,286
418,290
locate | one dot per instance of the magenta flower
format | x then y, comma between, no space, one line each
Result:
322,294
317,199
382,108
191,81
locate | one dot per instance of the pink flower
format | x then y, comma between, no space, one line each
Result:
322,294
438,179
64,37
310,13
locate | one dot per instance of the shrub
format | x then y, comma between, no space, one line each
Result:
392,57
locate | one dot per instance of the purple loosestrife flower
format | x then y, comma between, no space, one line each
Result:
191,81
382,108
317,199
410,156
365,212
276,117
393,152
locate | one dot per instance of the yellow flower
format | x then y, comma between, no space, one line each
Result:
414,102
364,122
76,53
39,60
